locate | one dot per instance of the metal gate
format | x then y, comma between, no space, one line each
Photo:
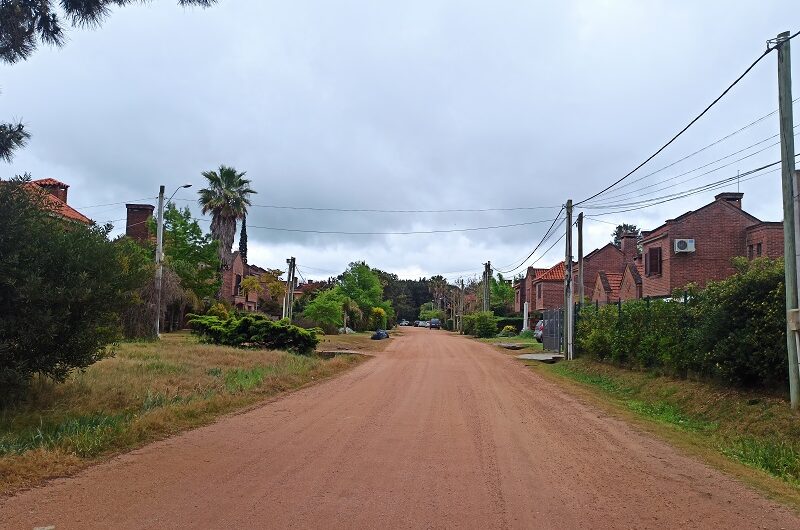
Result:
553,325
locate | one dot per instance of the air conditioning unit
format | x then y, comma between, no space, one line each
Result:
684,245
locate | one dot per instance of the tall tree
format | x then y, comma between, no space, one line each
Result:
622,229
226,198
26,23
243,240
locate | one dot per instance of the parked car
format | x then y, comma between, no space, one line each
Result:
424,324
417,323
435,323
538,330
403,323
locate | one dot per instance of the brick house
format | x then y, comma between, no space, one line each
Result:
232,285
523,289
620,277
631,284
606,287
136,221
56,198
697,246
610,258
548,289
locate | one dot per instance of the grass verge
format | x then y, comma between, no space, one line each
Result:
530,345
146,392
753,436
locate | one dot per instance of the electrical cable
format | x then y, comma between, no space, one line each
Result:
544,238
686,128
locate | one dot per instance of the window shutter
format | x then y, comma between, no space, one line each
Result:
647,263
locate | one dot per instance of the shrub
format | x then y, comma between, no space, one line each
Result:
485,326
527,334
469,324
218,310
732,332
254,331
515,322
378,318
62,288
508,331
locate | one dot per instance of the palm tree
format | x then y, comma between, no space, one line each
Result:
227,198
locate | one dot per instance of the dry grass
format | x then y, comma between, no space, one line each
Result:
145,392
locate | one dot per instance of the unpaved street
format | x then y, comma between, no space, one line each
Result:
438,431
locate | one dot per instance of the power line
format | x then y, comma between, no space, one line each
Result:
378,210
712,144
632,194
707,187
402,233
544,238
686,128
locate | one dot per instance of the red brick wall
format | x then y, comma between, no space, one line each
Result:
608,258
627,289
719,234
599,295
552,294
770,235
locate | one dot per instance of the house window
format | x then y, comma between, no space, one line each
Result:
539,291
758,249
237,286
652,261
749,251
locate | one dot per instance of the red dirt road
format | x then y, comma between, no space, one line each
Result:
438,431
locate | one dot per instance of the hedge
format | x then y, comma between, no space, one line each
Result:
732,332
254,331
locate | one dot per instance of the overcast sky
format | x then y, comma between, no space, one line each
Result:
431,104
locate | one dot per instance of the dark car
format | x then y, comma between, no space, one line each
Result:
435,323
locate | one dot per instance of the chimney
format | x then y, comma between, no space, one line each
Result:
731,197
629,246
54,188
136,224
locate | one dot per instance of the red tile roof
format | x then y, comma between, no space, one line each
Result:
58,206
555,273
50,182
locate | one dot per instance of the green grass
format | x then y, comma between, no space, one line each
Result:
759,431
529,343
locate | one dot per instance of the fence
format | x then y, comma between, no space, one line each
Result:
553,329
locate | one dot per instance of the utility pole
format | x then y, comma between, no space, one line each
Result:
568,287
159,258
487,278
461,309
581,293
290,278
791,211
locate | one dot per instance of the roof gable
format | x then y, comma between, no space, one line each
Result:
554,273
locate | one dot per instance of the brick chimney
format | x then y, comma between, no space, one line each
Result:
731,197
53,187
136,224
629,246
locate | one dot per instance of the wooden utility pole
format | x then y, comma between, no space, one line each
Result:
159,258
791,211
289,299
461,309
581,293
568,287
487,278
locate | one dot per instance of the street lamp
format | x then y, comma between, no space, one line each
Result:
160,250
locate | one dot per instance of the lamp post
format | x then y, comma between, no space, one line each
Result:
160,251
